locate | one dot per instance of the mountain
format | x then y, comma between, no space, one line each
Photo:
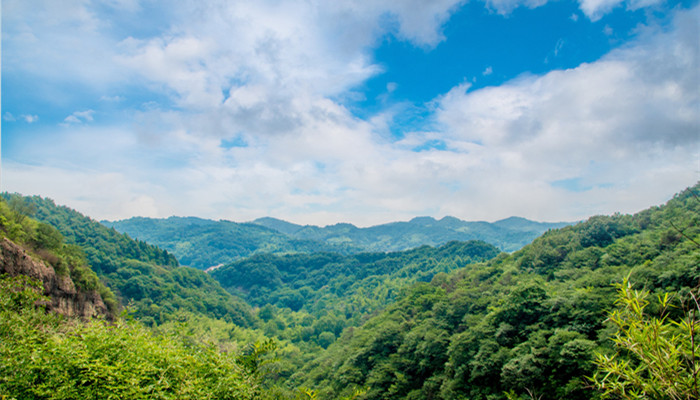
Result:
37,251
321,282
308,300
60,337
203,243
143,276
528,324
509,234
455,321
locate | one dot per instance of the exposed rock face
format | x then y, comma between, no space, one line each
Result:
65,299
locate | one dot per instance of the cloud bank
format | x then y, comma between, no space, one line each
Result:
235,110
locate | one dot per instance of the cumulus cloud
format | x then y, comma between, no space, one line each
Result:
629,118
265,75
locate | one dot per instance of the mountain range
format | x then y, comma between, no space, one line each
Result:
459,320
203,243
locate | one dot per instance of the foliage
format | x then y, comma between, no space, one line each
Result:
454,322
141,274
525,325
311,298
47,243
508,235
202,243
45,357
657,356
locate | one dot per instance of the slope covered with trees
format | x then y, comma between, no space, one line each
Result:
508,235
526,325
31,248
451,322
202,243
45,356
142,275
310,298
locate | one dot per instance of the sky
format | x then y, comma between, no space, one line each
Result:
319,112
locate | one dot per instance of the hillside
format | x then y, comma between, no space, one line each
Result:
508,235
333,291
524,325
202,243
31,249
142,275
456,321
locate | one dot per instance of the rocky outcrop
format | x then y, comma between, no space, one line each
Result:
65,298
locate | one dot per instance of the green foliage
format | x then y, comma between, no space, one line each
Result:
526,325
508,235
141,274
453,322
312,297
45,357
656,355
201,243
47,244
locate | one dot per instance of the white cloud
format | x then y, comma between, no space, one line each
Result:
30,119
596,9
58,41
630,118
78,117
507,6
265,74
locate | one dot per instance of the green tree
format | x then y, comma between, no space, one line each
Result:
657,356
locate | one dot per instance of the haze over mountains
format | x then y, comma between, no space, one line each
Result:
203,243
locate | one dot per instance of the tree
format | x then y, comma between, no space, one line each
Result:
657,356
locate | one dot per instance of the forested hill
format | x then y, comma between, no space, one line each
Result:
203,243
340,290
62,338
526,325
140,274
508,235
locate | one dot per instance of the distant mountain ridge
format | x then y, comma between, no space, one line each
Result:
203,243
509,234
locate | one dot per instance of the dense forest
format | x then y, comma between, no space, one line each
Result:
509,234
525,325
143,276
202,243
586,311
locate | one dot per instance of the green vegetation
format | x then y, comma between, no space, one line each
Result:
43,356
47,243
309,299
657,356
557,319
142,275
508,235
526,325
202,243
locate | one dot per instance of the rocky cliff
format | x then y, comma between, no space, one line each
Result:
65,298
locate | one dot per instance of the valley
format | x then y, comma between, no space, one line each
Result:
301,316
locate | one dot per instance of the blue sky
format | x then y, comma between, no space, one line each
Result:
362,112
